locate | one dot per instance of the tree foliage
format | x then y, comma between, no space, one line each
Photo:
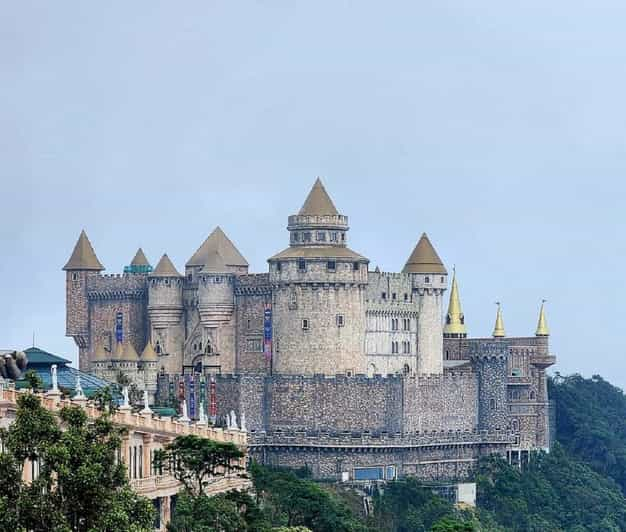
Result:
79,486
198,462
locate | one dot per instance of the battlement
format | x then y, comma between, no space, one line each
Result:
253,285
298,221
379,439
488,349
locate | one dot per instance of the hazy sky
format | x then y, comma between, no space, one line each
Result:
496,127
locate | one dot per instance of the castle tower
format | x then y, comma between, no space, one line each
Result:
216,305
429,282
490,363
542,324
318,309
498,330
165,312
455,319
216,242
81,269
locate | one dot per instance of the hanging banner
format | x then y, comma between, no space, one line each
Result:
119,327
192,396
267,331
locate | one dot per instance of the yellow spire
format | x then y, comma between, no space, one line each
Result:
498,330
455,320
542,324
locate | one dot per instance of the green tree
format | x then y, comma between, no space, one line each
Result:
198,462
80,487
34,380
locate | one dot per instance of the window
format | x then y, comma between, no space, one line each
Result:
406,347
406,297
331,265
492,404
339,320
516,372
333,236
279,266
532,396
447,355
442,279
393,296
384,295
343,237
427,279
302,265
394,324
305,324
306,237
406,369
293,300
321,236
355,266
249,324
406,324
394,348
254,345
74,276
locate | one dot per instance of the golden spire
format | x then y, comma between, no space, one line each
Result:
542,324
498,330
455,320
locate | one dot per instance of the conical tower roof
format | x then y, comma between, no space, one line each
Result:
498,330
101,354
118,352
215,263
149,354
129,353
424,258
217,241
318,202
139,259
455,320
542,324
165,268
83,257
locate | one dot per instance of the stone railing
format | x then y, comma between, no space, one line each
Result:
141,422
382,439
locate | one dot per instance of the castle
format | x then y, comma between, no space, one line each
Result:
352,372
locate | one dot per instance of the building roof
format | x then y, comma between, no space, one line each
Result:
318,201
165,268
101,353
129,353
139,259
149,354
218,242
542,324
455,320
498,330
424,258
215,263
314,252
83,257
37,356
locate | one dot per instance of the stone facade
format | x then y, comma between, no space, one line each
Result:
319,343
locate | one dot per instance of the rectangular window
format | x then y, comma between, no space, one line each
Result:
332,265
321,236
302,265
254,345
305,324
333,237
406,324
355,266
384,295
393,296
141,461
369,473
339,320
279,266
394,324
406,297
306,237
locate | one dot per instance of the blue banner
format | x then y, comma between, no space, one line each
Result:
267,331
119,327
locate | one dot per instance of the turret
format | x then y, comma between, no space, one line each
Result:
542,324
318,271
215,291
455,319
165,308
498,330
429,282
81,268
216,242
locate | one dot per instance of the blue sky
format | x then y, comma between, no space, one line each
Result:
499,129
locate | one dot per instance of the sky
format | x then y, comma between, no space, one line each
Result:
496,127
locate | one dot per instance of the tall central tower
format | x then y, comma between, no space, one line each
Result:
319,294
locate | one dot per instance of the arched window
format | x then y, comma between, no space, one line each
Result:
532,396
492,404
406,369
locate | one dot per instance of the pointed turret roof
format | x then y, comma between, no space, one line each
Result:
318,201
498,330
217,241
215,263
455,320
165,268
139,259
129,353
118,352
424,258
83,257
542,324
101,354
149,354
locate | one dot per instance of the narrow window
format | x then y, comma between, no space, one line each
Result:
296,237
305,324
279,266
406,369
339,319
393,296
492,404
190,277
302,265
331,265
384,295
406,297
442,278
355,266
306,236
427,279
333,236
249,323
74,276
321,236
